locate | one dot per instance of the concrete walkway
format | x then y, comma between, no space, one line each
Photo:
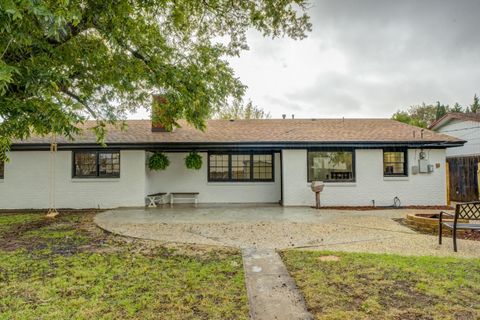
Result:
272,293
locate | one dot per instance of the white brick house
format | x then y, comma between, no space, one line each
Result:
362,161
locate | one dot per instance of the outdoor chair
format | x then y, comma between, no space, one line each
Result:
463,211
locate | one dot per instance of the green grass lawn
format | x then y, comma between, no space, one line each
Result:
377,286
67,268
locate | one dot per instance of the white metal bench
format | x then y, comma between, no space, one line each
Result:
160,197
183,196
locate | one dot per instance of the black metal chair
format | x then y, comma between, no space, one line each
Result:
463,211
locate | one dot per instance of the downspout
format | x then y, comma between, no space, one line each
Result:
281,177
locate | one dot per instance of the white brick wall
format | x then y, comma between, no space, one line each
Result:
26,183
420,189
177,178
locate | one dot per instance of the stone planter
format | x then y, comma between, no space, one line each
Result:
428,222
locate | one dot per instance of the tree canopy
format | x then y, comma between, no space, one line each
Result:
239,111
424,115
62,62
419,115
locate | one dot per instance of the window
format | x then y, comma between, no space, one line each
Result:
331,166
238,167
262,167
2,169
394,163
96,164
218,167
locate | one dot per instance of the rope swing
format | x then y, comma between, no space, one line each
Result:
52,211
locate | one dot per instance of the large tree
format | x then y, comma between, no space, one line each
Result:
419,115
62,62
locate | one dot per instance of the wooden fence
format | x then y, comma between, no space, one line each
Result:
464,178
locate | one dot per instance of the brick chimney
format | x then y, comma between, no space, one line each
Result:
158,101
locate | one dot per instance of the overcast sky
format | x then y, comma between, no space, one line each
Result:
367,59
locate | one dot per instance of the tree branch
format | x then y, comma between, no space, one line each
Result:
79,100
73,32
133,52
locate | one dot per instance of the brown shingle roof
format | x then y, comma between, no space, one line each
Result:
269,130
456,115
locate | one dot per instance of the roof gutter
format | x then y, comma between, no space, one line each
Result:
205,146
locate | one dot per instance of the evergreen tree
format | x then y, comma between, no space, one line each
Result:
440,111
475,106
456,108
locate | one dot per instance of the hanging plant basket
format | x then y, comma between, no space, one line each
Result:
193,161
158,161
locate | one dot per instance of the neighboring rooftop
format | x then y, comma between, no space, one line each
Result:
475,117
273,131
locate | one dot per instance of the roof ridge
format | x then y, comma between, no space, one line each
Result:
288,119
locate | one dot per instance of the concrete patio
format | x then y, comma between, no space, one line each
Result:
276,227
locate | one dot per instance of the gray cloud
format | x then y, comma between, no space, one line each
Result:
292,106
368,58
331,92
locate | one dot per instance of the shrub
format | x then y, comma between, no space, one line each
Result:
158,161
193,161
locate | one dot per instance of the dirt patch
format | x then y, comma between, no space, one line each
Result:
12,239
68,233
329,258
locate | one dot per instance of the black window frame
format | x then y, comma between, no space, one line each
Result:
405,162
352,150
251,154
2,172
97,158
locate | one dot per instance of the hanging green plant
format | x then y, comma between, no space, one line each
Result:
193,161
158,161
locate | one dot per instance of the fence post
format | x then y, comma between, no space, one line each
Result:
447,177
478,179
